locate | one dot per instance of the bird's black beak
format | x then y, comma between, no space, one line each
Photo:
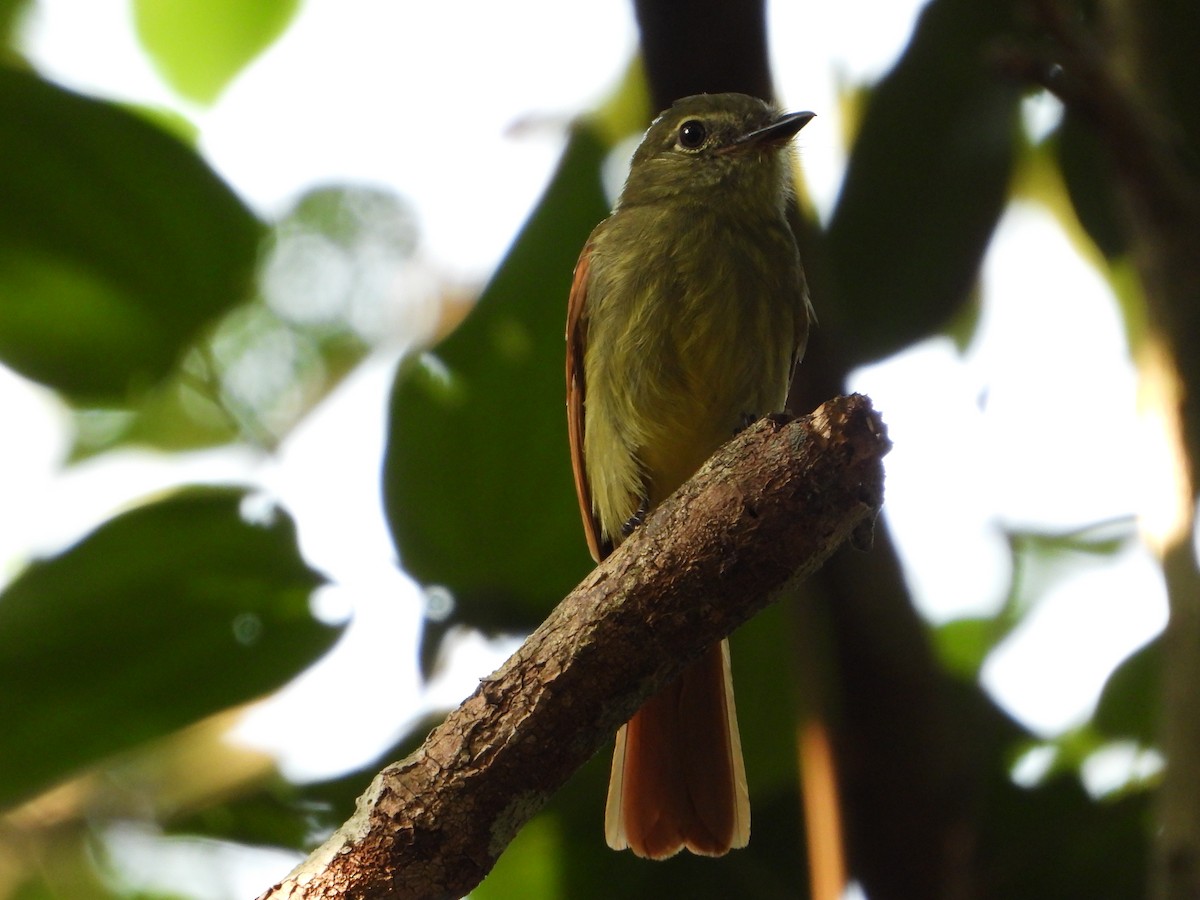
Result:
778,132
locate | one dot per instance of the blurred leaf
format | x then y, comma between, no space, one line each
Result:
1106,538
171,121
10,15
1168,32
963,324
117,244
336,257
279,813
765,687
71,872
963,644
1129,704
272,815
1054,842
1091,180
1042,559
530,866
1049,842
180,413
198,46
477,476
163,615
327,284
84,886
1039,561
925,185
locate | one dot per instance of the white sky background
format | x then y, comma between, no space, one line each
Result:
334,101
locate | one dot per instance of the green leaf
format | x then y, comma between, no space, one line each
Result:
529,867
10,15
1130,705
1049,842
265,364
926,183
1054,842
963,644
477,475
1167,32
1088,173
198,46
163,615
76,866
273,814
766,680
276,812
1041,560
118,245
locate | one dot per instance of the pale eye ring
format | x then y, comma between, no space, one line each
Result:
692,134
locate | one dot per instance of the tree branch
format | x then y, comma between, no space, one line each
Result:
762,514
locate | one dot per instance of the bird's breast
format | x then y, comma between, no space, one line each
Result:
691,332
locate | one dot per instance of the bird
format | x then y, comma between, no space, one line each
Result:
687,315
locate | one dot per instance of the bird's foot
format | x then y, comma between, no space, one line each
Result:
637,518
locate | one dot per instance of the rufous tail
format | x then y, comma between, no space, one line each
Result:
678,779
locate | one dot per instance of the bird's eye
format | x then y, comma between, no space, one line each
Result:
692,134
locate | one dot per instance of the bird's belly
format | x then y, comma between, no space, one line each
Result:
727,383
686,345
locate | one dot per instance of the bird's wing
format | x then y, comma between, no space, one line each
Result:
576,397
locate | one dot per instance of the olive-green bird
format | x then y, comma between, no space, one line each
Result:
687,316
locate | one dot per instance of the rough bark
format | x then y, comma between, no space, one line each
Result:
761,515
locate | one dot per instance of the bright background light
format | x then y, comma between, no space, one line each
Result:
368,93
